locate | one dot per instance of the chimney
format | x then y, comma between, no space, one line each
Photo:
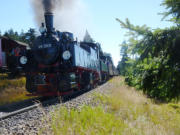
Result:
49,21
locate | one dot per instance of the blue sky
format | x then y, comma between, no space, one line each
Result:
18,14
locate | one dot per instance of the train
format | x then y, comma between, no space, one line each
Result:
10,53
58,65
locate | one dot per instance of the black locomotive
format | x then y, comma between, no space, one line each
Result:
57,64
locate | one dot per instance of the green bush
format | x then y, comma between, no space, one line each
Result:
156,70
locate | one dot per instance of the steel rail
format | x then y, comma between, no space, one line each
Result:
19,111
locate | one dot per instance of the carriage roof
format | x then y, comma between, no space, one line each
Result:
13,42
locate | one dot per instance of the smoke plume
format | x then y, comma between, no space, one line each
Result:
48,5
69,15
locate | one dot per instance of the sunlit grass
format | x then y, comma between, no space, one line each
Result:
11,95
12,90
89,120
141,113
12,83
3,76
124,111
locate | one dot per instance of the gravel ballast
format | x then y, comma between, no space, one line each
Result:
28,123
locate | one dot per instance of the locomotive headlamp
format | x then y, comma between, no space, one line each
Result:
23,60
66,55
42,30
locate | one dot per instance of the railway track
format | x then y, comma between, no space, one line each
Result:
13,109
30,121
24,106
18,111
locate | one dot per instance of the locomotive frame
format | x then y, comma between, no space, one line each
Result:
58,65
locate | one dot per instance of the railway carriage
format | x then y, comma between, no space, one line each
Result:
10,53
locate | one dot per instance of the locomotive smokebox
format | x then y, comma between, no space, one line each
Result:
49,21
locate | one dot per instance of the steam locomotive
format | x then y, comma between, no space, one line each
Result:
58,65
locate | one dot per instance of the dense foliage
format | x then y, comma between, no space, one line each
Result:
153,64
26,37
173,8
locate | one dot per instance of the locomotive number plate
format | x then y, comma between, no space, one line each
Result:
44,46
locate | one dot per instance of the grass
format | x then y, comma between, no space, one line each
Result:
125,111
11,95
7,83
12,90
140,113
89,120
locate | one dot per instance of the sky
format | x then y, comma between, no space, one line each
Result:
99,15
